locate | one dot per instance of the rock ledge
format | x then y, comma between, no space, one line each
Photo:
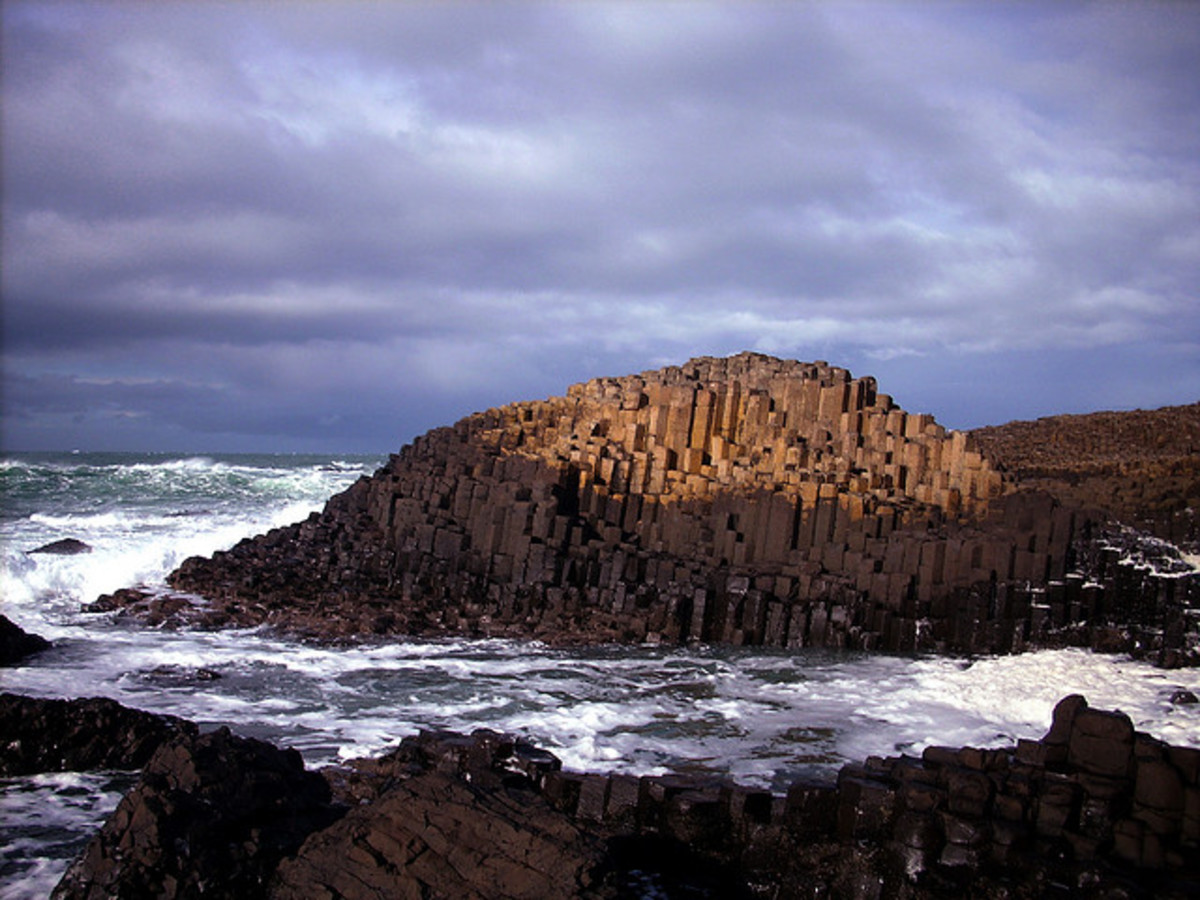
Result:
1094,808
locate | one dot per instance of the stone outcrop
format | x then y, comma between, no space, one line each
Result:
452,815
1094,808
211,816
63,547
746,500
441,836
51,735
16,644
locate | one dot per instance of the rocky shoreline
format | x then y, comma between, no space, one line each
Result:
1093,809
743,501
746,501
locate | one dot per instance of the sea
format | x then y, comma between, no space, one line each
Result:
761,717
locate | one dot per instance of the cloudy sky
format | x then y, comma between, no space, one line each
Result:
332,226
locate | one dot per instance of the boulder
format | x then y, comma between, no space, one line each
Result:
1063,719
63,547
211,816
16,644
436,835
1101,743
51,735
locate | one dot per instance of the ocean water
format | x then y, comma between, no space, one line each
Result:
762,717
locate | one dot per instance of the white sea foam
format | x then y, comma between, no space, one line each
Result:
764,716
44,822
141,520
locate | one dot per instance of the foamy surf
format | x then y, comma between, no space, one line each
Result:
764,718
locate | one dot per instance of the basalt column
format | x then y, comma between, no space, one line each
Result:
743,500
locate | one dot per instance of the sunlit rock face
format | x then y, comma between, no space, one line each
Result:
746,500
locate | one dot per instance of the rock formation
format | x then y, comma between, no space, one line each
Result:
746,500
63,547
1094,808
436,835
49,735
211,816
16,643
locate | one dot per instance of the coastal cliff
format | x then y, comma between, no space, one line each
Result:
746,500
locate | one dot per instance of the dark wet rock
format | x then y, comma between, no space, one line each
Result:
1184,696
443,835
64,547
1094,808
179,676
211,816
16,644
51,735
152,607
437,835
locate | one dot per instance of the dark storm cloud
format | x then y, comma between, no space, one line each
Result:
349,222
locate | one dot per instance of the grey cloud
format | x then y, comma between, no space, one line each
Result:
490,200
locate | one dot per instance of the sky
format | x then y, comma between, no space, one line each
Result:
330,226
